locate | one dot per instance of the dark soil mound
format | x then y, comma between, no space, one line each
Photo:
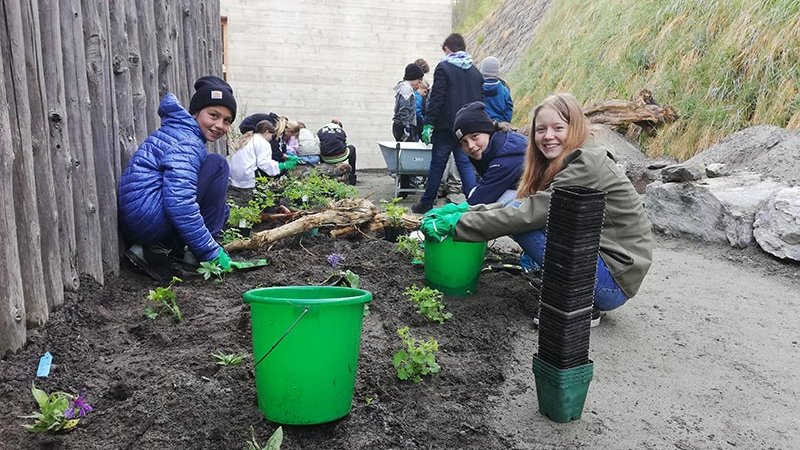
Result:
154,384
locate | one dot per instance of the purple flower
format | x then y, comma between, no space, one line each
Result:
335,259
78,403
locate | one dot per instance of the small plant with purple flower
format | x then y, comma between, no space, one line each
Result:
335,260
58,411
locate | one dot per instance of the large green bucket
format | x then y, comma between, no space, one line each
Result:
306,341
453,266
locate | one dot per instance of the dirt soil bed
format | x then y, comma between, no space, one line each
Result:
154,384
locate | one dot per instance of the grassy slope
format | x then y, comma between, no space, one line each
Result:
724,65
468,13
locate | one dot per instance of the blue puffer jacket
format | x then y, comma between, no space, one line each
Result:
500,166
158,190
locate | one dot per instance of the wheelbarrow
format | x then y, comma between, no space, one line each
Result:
406,159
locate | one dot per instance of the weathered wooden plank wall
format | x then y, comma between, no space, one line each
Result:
80,85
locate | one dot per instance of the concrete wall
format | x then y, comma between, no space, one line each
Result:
312,60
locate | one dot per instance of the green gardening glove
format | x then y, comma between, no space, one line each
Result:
289,164
427,130
440,227
223,260
447,209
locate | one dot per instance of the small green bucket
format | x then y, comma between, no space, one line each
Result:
453,266
561,393
306,341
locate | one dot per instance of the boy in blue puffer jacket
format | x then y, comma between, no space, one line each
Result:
172,193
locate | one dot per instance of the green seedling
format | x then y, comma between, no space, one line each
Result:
228,359
417,358
164,302
211,269
58,411
244,216
429,303
394,211
230,234
344,278
410,246
273,443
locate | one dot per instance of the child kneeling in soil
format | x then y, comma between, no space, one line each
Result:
563,153
172,193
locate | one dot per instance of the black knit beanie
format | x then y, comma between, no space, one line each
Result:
212,91
472,118
413,72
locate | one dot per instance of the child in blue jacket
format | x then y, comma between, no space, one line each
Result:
172,193
496,94
497,154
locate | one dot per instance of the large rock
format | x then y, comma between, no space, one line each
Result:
714,210
777,224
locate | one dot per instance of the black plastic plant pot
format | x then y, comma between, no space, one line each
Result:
244,231
573,231
391,233
570,352
560,363
571,248
566,303
559,338
555,252
578,193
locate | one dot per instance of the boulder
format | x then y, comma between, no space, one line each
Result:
640,169
777,225
713,210
683,172
716,170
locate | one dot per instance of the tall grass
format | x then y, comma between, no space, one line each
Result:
723,64
469,13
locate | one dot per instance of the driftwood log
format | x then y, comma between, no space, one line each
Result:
379,222
343,213
642,111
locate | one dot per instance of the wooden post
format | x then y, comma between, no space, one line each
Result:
143,9
12,300
103,121
27,216
59,140
138,94
43,165
122,72
84,190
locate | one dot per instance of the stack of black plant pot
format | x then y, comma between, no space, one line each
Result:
574,223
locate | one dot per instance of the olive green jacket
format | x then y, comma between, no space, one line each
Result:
626,242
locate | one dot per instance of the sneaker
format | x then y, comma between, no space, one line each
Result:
595,317
153,259
420,208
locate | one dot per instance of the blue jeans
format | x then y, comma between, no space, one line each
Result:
444,143
607,293
212,186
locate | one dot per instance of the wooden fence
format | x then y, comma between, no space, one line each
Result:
80,84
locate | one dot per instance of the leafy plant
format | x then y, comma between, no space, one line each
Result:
164,302
410,246
313,191
57,411
228,359
230,234
244,216
394,211
417,358
429,303
211,269
343,278
273,443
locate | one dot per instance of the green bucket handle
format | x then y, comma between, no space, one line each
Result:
285,333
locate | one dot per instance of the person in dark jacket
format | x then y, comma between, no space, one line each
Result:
497,153
172,193
496,95
334,149
456,82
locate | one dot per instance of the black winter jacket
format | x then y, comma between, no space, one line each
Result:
453,87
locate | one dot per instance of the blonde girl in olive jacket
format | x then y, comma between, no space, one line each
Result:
562,153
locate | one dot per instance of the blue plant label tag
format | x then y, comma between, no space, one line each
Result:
44,365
